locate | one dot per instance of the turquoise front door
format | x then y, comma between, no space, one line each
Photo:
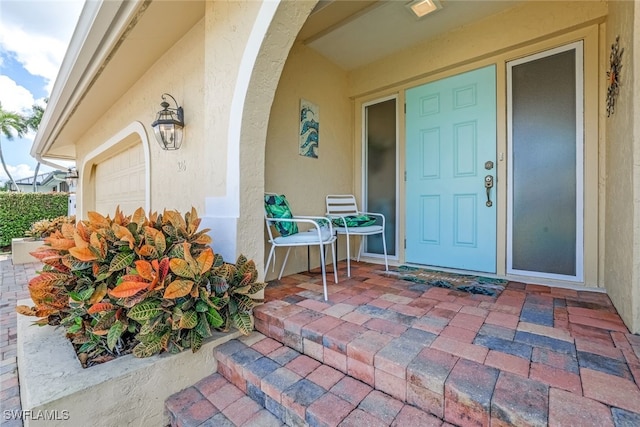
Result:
451,153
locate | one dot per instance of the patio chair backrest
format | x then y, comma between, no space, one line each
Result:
341,204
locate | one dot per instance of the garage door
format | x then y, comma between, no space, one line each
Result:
120,181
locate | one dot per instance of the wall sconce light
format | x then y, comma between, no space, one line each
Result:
72,177
169,125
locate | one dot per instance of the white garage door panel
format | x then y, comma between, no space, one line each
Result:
120,181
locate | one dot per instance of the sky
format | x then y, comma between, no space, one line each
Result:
34,35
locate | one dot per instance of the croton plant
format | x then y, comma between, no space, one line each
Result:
140,284
46,227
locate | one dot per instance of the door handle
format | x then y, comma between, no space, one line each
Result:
488,185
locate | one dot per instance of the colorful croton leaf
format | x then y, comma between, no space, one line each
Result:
140,283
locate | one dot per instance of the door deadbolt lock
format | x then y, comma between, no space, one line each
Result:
488,184
488,165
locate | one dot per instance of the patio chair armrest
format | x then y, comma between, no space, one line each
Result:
294,219
313,220
333,217
316,220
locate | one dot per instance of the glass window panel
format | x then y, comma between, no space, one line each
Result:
544,165
380,134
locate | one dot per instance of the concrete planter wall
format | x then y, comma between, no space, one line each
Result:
21,248
124,391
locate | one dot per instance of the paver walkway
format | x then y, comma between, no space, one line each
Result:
558,356
535,355
13,287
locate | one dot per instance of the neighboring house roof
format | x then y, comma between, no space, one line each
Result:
113,45
44,181
43,178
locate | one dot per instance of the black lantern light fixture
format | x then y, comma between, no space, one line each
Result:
72,177
169,125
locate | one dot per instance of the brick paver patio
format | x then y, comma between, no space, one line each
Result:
13,287
388,352
385,352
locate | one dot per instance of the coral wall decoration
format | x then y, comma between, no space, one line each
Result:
613,76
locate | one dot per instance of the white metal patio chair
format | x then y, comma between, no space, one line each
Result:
286,224
348,220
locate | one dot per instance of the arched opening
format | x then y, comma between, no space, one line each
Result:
117,173
289,69
282,23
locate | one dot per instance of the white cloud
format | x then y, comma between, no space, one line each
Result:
40,55
38,33
17,172
15,98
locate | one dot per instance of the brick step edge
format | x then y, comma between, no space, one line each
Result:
396,358
299,390
214,401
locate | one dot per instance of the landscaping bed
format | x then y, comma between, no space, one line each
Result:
125,391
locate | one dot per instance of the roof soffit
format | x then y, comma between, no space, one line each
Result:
114,44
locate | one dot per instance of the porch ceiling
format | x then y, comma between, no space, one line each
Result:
355,33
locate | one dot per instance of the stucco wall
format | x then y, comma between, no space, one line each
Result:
228,48
282,29
622,231
224,73
174,174
247,44
201,71
634,106
228,28
306,181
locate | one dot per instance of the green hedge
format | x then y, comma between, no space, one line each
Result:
19,210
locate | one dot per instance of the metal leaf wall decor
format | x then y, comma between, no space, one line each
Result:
613,76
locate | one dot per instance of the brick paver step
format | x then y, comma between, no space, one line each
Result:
214,401
465,359
392,358
263,383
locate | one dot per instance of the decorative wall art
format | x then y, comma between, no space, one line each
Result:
309,129
613,76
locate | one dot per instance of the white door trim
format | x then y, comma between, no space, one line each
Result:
579,277
363,168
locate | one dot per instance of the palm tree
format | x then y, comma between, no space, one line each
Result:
33,123
11,122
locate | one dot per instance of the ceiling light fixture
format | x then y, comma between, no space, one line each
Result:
421,8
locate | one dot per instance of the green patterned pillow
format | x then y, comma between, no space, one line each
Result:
278,207
354,221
